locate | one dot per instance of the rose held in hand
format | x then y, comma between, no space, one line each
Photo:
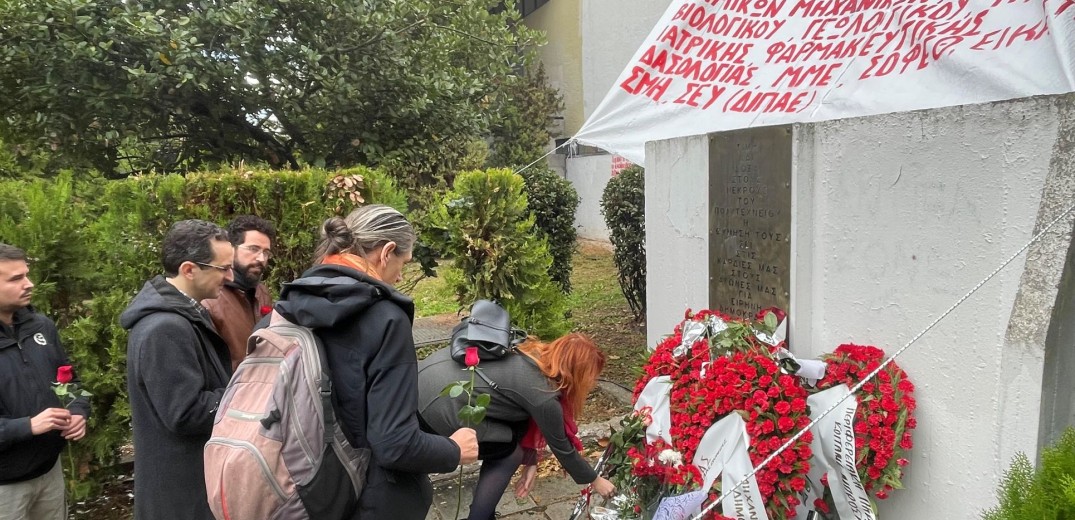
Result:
68,391
473,412
64,374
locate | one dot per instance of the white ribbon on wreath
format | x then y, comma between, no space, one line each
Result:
833,446
723,451
656,396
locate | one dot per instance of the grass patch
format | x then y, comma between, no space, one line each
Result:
599,310
432,295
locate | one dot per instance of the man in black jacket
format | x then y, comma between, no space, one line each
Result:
177,368
34,425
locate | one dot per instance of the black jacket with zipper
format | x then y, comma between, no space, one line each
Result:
30,353
365,326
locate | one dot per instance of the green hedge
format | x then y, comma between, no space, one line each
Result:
553,201
623,205
93,243
1045,493
485,226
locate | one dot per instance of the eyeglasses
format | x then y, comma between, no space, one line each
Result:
257,251
221,268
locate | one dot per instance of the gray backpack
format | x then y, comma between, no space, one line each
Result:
277,452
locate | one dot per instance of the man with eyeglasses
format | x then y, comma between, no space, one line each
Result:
177,368
244,300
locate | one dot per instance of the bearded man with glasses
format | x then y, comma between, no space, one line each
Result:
177,368
244,300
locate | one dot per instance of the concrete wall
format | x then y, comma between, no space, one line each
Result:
896,217
907,213
677,231
589,174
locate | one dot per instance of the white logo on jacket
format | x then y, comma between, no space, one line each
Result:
39,338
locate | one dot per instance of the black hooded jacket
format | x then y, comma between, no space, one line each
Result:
365,326
177,368
30,353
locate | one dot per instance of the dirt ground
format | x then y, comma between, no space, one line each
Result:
115,502
603,314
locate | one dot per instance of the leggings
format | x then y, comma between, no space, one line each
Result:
493,479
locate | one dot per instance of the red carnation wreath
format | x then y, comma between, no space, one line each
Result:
729,372
884,418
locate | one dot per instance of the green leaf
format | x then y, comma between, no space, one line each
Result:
770,322
483,400
478,416
455,391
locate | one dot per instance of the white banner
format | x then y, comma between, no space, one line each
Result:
723,451
833,446
656,396
711,65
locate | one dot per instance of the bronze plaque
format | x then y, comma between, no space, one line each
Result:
750,220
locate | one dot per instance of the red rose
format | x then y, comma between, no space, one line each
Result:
64,374
265,309
471,358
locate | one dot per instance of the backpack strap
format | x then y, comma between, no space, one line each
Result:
326,393
492,384
325,385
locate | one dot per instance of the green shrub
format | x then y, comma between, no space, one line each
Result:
485,226
523,107
93,243
1045,494
553,201
623,205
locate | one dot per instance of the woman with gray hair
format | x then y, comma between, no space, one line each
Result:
349,301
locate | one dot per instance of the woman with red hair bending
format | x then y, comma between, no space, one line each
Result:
537,393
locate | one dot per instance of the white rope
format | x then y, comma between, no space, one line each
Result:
565,143
724,494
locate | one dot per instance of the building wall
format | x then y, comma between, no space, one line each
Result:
612,30
562,56
589,174
590,43
896,217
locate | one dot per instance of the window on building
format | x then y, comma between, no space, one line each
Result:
528,6
525,7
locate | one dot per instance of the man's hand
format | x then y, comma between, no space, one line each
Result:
526,481
467,440
76,428
50,419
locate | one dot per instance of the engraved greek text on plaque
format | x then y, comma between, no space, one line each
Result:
750,220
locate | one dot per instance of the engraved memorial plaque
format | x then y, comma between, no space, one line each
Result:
750,220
